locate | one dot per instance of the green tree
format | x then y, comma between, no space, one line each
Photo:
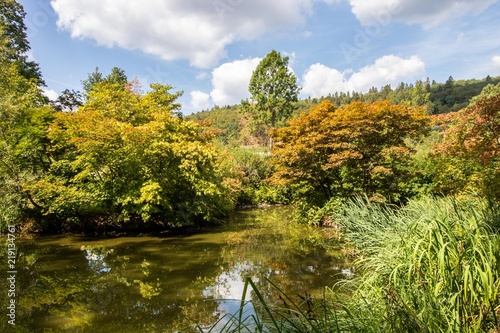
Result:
274,89
418,95
69,100
13,29
92,79
23,139
117,76
126,158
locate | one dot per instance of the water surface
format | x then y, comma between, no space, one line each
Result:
74,283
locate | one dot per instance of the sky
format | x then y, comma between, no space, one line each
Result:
209,48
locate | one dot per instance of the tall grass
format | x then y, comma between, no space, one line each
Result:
431,266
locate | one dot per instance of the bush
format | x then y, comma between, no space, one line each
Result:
255,168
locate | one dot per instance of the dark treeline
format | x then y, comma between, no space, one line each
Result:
437,97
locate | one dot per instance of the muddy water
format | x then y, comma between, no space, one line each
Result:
75,283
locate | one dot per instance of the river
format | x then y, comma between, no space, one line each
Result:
76,283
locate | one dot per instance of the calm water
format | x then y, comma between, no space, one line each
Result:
164,284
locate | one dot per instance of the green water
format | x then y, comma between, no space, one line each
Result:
164,284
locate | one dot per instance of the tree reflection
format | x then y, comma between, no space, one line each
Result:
147,284
275,250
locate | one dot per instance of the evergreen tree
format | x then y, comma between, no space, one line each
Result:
117,76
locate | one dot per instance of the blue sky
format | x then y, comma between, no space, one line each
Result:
209,48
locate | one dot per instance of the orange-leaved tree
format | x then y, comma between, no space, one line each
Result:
472,142
358,148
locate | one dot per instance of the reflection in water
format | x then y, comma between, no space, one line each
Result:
165,284
95,257
227,291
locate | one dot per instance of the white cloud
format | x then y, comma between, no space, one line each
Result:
198,30
496,62
200,100
202,76
387,70
425,12
51,94
320,80
230,81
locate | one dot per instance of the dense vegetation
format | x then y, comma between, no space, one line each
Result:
425,234
414,197
431,266
118,158
237,128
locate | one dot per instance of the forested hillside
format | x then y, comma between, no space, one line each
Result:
236,127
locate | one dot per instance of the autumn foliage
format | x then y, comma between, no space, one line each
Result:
127,157
357,148
471,140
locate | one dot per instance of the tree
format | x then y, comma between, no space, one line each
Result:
13,29
274,89
92,79
472,143
23,140
418,95
69,100
117,76
125,157
358,148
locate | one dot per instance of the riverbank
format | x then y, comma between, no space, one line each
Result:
106,228
430,266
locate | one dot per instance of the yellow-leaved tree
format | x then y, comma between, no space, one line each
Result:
126,157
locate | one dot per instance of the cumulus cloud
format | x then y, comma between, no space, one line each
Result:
230,81
320,80
425,12
200,100
51,94
197,30
496,62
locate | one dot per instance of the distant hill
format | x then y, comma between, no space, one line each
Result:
437,97
237,128
455,95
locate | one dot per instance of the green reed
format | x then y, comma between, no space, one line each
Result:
430,266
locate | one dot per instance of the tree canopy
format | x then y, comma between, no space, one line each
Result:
274,89
23,125
358,148
13,32
471,145
117,76
126,156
